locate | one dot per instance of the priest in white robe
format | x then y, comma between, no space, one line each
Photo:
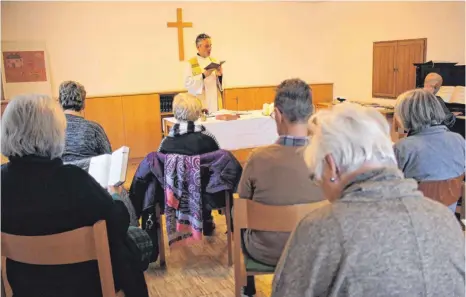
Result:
204,84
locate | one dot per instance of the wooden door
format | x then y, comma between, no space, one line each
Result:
143,128
408,52
383,72
109,114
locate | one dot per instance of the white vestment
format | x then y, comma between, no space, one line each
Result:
208,90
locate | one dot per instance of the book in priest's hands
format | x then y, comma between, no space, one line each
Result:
110,169
213,65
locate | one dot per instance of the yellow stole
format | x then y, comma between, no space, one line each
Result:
197,70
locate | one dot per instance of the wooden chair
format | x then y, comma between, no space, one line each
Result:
80,245
249,214
399,131
446,192
226,209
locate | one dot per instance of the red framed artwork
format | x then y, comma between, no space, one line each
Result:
24,66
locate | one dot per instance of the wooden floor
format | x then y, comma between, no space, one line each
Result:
198,270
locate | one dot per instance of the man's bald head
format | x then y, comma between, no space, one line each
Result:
433,82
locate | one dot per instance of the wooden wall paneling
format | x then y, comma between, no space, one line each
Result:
108,112
322,93
264,95
142,124
383,72
239,99
408,52
230,100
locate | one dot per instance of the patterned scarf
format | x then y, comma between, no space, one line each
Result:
185,128
183,202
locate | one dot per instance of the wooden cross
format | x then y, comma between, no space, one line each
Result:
180,25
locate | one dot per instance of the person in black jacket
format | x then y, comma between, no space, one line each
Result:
42,196
432,83
186,137
191,139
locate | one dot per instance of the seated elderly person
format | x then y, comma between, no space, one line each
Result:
432,84
84,138
277,174
42,196
186,137
189,138
430,152
379,237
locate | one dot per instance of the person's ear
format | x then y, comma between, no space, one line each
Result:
332,166
278,115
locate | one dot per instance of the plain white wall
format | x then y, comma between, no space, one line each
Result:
126,47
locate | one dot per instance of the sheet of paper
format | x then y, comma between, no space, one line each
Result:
118,167
458,95
446,92
99,169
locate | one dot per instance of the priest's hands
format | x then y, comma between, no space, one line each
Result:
219,71
207,73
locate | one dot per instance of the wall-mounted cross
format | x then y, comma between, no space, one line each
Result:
180,25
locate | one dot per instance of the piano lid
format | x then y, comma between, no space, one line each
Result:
436,63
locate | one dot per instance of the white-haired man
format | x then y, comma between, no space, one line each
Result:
432,83
204,84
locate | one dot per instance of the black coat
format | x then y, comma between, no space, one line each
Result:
42,197
190,144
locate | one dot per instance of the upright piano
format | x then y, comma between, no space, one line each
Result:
453,75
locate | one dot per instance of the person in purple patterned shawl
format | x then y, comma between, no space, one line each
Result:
190,139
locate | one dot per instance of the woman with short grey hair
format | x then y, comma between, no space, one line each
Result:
430,152
42,196
380,236
84,138
187,137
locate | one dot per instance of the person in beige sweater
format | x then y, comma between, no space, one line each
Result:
277,174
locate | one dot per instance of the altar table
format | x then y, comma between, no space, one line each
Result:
240,136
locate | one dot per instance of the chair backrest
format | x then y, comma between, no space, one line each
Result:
446,192
249,214
80,245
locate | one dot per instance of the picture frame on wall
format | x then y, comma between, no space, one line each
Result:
25,68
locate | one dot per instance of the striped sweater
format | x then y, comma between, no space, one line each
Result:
84,139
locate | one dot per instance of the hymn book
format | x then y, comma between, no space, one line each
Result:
110,170
214,65
452,94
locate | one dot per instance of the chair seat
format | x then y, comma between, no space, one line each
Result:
253,266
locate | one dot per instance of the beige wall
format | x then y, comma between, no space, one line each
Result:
358,24
125,47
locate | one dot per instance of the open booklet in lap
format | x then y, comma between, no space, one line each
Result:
110,170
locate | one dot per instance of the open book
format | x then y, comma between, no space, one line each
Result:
110,170
452,94
213,65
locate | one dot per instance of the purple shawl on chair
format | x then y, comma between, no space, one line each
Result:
183,203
